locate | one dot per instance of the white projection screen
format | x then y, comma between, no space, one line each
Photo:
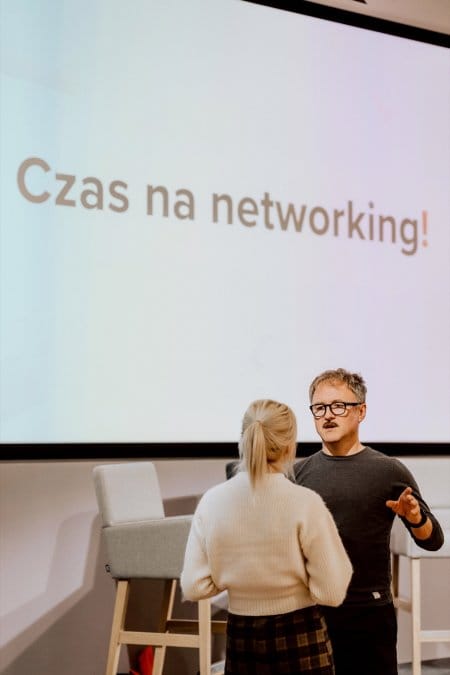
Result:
208,202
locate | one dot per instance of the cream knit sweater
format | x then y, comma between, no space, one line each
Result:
275,549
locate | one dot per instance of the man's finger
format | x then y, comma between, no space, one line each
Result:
407,491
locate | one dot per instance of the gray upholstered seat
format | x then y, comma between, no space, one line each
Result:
142,543
152,547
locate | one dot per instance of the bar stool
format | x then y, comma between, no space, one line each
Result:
402,544
141,543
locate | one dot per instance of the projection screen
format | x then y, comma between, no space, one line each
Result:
204,203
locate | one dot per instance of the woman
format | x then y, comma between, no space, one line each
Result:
274,547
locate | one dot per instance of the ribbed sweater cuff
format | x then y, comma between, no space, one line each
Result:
268,606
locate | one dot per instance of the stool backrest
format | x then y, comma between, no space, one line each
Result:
127,493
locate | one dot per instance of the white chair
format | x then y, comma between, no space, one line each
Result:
402,544
141,543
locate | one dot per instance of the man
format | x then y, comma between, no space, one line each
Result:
364,490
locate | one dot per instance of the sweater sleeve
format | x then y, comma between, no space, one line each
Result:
327,563
196,581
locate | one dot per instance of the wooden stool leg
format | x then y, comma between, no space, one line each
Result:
118,624
415,615
170,587
204,630
395,570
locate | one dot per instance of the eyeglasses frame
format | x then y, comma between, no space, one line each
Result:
328,405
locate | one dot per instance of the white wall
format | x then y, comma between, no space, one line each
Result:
55,597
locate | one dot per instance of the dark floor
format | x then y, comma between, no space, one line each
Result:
435,667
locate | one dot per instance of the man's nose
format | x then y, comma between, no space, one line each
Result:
328,412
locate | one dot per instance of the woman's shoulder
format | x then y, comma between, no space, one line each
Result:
306,494
221,491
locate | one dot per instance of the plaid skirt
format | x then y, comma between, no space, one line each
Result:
283,644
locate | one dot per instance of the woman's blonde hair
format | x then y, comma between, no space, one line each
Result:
269,435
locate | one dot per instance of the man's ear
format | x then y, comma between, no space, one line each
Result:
362,412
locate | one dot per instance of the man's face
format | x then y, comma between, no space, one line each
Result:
334,429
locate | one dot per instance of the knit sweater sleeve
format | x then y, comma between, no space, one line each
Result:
196,581
327,563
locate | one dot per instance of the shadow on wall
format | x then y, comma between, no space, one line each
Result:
72,637
69,638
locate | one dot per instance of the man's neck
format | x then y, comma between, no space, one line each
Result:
342,449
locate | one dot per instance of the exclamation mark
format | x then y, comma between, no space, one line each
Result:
424,227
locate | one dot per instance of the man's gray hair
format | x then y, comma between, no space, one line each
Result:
354,381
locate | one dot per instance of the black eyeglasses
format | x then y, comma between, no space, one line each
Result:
337,408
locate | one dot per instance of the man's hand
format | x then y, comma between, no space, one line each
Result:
406,506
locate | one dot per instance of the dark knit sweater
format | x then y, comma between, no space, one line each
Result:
355,488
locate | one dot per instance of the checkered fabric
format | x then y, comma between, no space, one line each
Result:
283,644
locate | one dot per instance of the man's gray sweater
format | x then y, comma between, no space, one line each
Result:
355,488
